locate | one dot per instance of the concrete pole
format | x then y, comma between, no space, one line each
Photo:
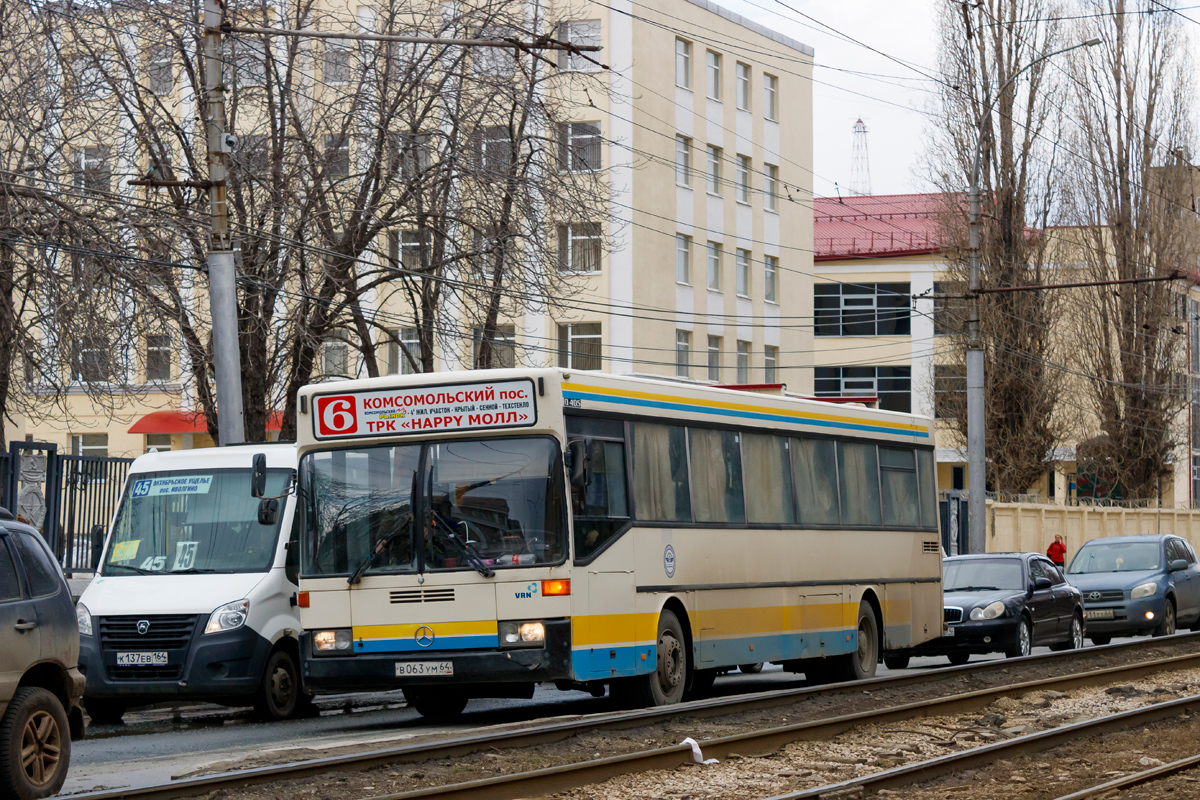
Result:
222,282
976,455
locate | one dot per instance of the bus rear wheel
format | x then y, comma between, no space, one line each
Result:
436,703
862,662
664,686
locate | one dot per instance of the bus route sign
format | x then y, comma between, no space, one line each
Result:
411,409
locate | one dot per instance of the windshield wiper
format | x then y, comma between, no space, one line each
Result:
380,546
138,570
194,571
974,589
474,560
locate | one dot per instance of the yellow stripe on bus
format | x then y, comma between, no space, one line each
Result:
593,629
408,630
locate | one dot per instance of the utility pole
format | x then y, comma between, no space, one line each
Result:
222,282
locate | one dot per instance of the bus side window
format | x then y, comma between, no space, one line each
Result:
601,508
858,481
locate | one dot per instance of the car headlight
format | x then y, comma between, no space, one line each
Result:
1145,590
331,641
228,617
522,634
84,618
990,611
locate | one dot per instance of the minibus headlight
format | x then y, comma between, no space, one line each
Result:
1145,590
522,634
332,641
84,617
990,611
228,617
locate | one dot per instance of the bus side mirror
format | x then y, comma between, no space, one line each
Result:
291,562
258,475
577,462
268,511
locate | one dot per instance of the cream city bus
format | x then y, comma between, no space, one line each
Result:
473,534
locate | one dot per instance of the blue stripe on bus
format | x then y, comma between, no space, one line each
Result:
599,663
633,401
409,645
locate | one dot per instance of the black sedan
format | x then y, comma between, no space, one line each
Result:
1002,602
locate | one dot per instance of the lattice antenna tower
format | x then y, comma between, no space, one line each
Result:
860,162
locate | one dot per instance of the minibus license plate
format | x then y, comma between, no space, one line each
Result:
157,659
405,668
1100,613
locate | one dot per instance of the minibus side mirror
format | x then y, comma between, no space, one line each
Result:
268,511
258,475
577,462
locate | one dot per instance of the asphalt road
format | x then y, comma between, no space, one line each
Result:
158,744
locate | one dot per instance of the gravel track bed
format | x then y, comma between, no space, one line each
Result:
876,748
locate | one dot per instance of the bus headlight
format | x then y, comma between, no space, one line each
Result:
84,617
228,617
990,611
522,634
1145,590
332,641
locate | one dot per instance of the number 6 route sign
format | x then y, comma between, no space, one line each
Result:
409,410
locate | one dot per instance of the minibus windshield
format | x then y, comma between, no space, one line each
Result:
192,522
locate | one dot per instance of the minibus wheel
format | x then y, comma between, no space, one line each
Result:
279,691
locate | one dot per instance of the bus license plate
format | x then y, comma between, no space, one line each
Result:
1100,613
156,659
409,668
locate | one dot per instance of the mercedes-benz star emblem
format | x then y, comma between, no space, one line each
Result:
1094,596
424,636
143,626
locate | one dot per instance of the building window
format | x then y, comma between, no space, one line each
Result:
683,353
158,358
743,272
714,266
583,33
335,359
862,309
579,346
683,259
713,64
92,362
770,95
714,170
405,249
683,64
404,342
892,385
504,347
160,71
160,158
770,364
743,179
683,161
250,56
409,153
336,66
94,169
770,187
771,279
337,155
495,149
949,313
743,362
1193,325
88,77
579,146
743,87
579,247
714,359
90,444
949,390
158,441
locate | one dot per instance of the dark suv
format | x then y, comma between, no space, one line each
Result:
40,683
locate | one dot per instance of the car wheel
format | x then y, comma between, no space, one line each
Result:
958,659
1076,632
436,703
35,745
1022,643
664,686
750,669
279,692
1167,626
896,662
1100,641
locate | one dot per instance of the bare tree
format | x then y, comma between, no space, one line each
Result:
1129,187
984,52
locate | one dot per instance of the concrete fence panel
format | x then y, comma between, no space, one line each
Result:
1029,527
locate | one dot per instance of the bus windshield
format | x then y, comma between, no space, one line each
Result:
486,503
190,522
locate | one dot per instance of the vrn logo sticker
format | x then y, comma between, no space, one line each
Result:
529,591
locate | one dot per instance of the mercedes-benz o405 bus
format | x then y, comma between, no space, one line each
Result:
473,534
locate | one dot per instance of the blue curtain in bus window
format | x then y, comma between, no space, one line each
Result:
814,466
660,476
898,482
768,479
858,479
716,476
929,509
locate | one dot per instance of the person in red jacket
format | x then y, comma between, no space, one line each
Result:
1057,551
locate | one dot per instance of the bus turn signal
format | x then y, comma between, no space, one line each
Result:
556,588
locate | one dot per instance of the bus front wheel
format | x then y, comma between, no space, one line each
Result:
664,686
436,703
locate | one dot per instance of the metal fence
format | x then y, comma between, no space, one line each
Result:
69,498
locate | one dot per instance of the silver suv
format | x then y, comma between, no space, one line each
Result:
40,683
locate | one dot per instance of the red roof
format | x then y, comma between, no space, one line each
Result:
169,421
873,226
